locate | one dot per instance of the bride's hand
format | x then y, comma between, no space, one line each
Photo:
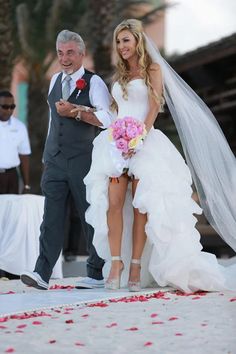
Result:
82,108
129,154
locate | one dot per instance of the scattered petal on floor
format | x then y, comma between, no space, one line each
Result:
147,344
114,324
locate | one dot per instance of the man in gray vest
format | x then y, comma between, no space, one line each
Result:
67,157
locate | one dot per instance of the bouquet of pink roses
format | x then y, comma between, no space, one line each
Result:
127,134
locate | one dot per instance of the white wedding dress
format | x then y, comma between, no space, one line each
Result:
172,254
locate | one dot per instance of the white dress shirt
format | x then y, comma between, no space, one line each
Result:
98,94
14,141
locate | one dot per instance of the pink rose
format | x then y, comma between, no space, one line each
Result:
132,131
122,145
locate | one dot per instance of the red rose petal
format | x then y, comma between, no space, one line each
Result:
147,344
178,334
79,344
154,315
114,324
98,304
173,318
4,319
9,350
36,323
52,341
233,299
157,322
69,321
61,287
132,329
22,326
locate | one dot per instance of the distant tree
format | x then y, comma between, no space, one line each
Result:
6,47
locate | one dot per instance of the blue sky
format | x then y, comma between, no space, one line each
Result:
194,23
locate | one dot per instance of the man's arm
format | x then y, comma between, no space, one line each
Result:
24,168
100,99
67,109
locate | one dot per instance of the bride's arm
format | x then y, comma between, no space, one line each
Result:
154,102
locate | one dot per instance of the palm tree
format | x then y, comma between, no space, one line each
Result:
6,40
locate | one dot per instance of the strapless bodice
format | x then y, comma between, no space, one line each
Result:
136,105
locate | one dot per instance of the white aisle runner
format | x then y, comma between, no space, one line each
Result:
41,300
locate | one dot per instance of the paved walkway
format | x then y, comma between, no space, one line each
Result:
162,322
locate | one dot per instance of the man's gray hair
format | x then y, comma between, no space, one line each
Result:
68,36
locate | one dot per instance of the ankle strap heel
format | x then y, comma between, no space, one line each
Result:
136,261
116,258
113,283
135,286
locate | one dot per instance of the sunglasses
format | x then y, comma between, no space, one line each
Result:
8,106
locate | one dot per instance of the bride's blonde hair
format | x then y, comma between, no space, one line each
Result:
122,69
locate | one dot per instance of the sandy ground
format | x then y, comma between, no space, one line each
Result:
163,321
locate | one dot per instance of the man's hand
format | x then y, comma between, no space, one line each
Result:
64,109
26,191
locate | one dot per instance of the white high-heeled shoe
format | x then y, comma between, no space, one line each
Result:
114,283
134,286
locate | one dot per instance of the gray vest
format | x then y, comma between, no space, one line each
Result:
67,135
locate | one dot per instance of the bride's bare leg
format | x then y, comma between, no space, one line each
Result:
139,239
117,192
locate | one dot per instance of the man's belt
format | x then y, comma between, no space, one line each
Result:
4,170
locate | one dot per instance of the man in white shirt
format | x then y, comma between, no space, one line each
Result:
14,148
67,157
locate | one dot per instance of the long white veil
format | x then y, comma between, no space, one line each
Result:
208,155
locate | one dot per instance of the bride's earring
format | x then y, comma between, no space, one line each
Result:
135,285
113,283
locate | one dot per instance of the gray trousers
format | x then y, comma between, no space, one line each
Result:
62,176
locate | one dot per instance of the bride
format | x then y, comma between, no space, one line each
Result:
140,201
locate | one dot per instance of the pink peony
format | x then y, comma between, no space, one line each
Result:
122,145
